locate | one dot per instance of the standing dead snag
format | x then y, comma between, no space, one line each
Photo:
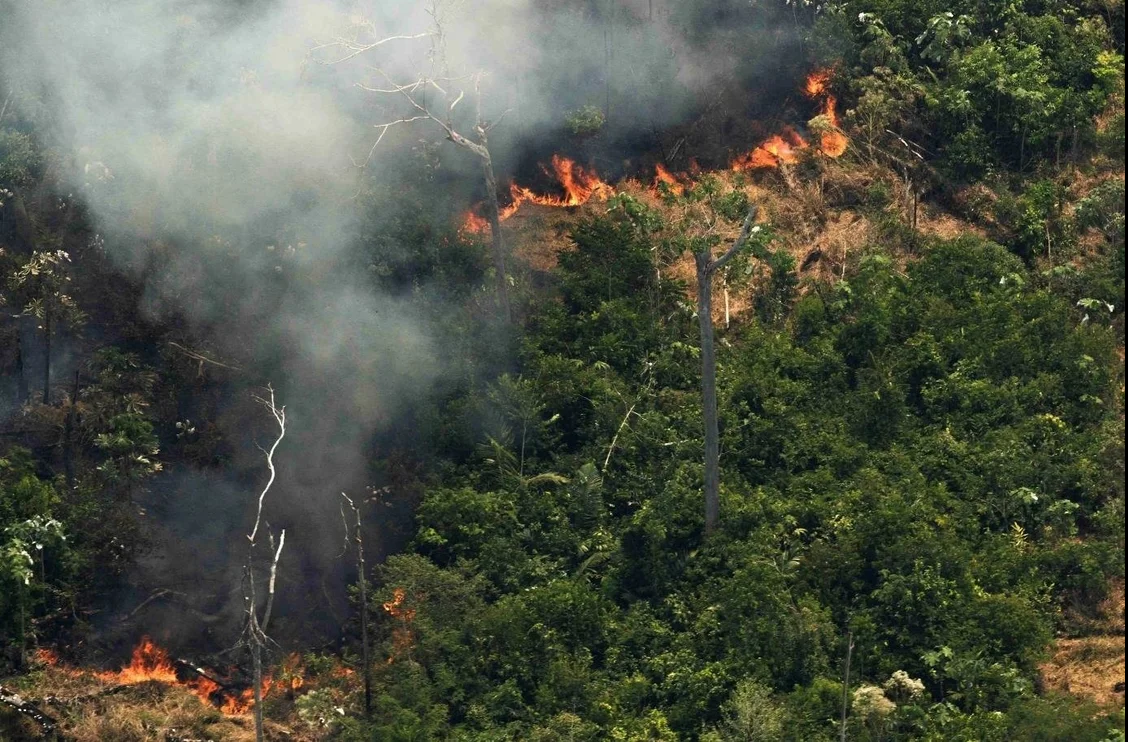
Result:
254,630
362,589
433,97
706,268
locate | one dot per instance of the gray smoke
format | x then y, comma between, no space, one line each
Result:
215,152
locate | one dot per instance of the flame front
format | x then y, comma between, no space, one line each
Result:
579,185
783,148
151,663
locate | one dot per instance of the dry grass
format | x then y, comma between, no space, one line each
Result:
820,238
145,712
1092,666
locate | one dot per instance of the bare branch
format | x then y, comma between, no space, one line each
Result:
355,49
615,439
273,576
279,417
384,130
201,357
745,233
4,108
345,522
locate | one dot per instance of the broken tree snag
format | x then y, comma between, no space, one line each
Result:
11,699
193,667
706,269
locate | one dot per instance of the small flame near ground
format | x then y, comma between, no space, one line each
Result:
150,662
403,636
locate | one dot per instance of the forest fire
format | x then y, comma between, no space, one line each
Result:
150,662
662,176
783,149
779,149
473,224
832,142
580,185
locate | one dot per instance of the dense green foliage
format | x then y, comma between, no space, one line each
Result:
910,457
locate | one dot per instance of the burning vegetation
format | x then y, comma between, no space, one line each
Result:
151,663
578,185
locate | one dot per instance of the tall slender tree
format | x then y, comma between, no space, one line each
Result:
707,267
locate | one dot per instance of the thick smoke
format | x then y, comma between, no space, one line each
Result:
215,151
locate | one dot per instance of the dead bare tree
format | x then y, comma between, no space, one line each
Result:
362,589
254,635
432,97
706,268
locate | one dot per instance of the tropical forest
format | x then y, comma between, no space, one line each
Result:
562,370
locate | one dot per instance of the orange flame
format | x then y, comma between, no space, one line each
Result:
402,636
817,82
473,224
783,149
151,663
234,705
832,143
579,185
779,149
664,176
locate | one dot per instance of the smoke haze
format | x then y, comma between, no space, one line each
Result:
215,153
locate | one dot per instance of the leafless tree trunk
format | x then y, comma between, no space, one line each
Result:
428,96
47,350
68,435
21,376
496,242
846,686
254,631
362,589
706,268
